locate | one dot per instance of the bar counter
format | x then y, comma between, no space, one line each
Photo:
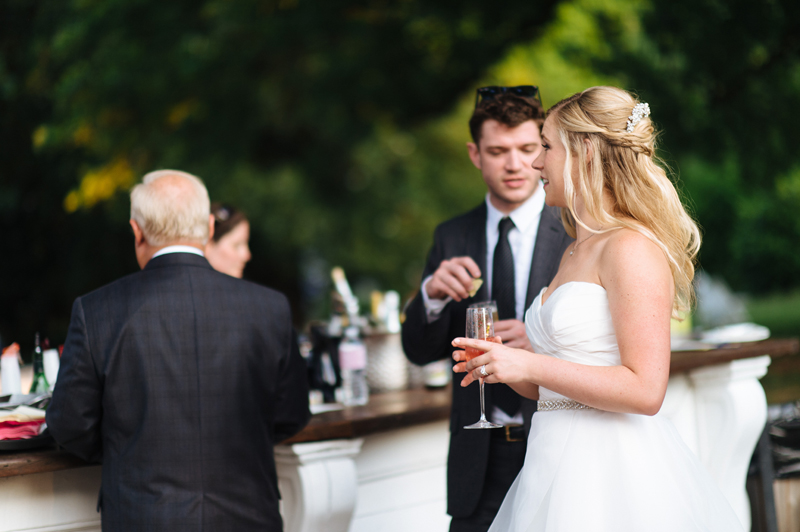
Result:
683,361
382,466
385,412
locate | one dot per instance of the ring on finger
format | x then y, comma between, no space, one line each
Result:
483,371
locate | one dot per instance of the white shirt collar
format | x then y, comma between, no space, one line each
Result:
177,249
523,216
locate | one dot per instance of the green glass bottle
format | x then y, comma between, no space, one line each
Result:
39,384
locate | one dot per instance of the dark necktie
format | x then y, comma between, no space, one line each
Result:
503,274
503,294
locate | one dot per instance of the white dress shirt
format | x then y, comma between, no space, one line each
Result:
178,249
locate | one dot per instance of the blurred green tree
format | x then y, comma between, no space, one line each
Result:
296,111
723,80
339,127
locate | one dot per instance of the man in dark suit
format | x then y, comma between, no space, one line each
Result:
180,379
514,242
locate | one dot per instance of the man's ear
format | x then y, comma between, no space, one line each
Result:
474,154
210,227
138,235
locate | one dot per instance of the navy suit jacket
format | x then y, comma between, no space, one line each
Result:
180,380
425,342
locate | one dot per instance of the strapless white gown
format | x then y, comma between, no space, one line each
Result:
596,471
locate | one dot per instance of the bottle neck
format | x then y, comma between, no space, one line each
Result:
38,361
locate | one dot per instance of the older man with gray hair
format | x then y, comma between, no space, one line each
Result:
180,379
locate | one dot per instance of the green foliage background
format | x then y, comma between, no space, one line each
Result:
339,127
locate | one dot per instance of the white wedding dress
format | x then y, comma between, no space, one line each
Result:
595,471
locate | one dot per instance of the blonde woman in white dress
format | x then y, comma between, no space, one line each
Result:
600,457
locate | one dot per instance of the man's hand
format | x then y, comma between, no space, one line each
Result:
453,278
513,334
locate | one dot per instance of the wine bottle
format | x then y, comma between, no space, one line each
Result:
343,288
353,366
39,384
10,378
323,365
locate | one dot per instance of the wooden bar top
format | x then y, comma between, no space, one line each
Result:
394,410
386,411
683,361
13,464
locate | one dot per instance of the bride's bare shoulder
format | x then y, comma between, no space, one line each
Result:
626,240
634,254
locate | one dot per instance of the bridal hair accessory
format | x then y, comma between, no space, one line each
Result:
640,110
483,371
222,213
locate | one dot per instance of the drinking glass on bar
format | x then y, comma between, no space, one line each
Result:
480,326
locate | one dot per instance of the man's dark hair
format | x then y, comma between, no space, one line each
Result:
510,110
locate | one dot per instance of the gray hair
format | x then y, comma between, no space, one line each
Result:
172,211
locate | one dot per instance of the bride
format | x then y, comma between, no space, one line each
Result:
599,456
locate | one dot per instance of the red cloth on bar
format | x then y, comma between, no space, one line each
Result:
19,430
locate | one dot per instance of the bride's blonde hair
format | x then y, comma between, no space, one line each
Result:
624,164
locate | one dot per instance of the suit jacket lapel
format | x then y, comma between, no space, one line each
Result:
475,235
548,242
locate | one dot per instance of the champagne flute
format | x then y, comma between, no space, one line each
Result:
480,326
488,304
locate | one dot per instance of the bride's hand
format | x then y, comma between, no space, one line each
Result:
461,355
503,364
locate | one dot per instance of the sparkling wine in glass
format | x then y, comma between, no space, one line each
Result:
489,304
480,326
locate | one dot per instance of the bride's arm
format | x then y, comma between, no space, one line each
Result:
637,278
526,389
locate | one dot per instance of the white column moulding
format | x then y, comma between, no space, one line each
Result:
731,413
318,484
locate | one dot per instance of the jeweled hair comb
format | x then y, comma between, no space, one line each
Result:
640,110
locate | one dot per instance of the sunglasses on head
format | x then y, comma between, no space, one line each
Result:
526,91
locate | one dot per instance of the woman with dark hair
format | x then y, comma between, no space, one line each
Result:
228,251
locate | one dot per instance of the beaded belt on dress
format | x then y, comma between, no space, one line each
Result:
561,404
